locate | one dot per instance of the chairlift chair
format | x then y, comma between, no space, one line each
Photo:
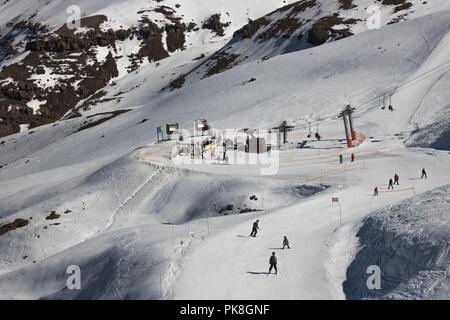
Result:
390,103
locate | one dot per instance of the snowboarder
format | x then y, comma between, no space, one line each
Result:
353,157
341,159
254,229
391,184
286,242
273,263
424,174
396,177
375,191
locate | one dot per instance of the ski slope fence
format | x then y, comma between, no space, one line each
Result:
361,164
398,190
335,155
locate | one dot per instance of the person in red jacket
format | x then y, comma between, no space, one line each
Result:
396,178
375,191
353,157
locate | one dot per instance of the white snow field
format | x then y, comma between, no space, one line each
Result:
140,226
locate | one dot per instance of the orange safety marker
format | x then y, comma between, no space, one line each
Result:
349,143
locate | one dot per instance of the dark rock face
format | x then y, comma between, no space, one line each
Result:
346,4
214,24
251,28
18,223
16,95
152,47
400,5
220,63
177,83
41,77
322,30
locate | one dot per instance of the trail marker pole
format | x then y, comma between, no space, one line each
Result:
334,200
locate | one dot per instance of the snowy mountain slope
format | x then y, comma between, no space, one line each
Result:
43,59
304,24
411,241
115,230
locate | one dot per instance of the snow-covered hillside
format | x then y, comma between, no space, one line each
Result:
411,240
84,183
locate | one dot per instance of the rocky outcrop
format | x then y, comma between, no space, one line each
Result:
323,31
214,24
64,63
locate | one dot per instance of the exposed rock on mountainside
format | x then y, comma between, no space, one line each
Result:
296,26
48,62
214,24
75,64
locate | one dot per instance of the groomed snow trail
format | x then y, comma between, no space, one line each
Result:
231,265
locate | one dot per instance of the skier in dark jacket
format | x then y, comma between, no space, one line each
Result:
375,191
391,184
273,263
254,229
424,174
286,242
341,159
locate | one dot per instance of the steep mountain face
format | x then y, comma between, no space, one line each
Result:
49,69
63,67
302,25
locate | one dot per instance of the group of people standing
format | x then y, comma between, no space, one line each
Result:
396,181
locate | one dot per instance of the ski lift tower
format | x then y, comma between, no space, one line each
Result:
284,128
350,133
350,111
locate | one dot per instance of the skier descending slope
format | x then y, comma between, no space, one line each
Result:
273,263
353,157
375,191
391,184
254,229
341,159
286,242
424,174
